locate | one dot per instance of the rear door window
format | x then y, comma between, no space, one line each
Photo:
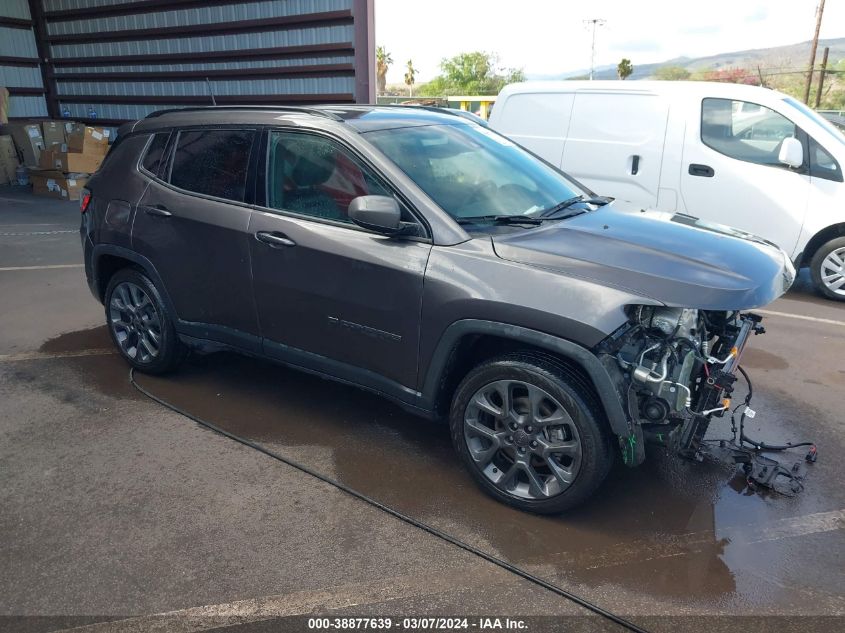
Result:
212,162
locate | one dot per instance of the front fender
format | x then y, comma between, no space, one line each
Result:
584,358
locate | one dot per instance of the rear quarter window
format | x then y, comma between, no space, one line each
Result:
212,162
152,160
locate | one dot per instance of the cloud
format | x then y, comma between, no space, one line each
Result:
702,29
637,46
757,16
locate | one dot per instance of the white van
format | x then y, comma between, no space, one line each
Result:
744,156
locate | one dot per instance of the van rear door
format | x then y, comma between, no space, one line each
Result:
615,144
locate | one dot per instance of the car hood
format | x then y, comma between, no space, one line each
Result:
675,259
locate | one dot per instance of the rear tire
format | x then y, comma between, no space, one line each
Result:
827,268
140,325
530,433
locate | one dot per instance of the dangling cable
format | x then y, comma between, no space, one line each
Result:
627,624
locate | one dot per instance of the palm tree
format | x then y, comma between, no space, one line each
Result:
624,69
383,62
410,73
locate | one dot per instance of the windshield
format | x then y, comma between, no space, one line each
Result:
471,171
815,116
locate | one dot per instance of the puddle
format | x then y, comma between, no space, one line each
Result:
657,530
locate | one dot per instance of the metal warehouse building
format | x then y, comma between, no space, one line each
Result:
118,60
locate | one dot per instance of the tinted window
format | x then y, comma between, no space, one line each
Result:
212,162
155,153
822,164
469,170
736,129
314,176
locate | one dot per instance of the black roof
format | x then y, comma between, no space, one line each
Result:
363,118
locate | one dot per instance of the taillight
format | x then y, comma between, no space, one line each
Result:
84,201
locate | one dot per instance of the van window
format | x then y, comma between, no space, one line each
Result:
822,164
749,134
212,162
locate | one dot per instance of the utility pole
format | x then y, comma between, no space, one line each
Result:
821,77
819,11
594,23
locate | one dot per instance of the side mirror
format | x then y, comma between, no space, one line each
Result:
791,152
376,213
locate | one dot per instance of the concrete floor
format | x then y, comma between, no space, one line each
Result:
116,510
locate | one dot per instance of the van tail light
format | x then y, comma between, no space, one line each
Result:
84,201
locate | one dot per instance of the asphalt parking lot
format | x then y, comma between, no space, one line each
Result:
117,514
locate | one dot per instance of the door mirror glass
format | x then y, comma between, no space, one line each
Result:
376,213
791,152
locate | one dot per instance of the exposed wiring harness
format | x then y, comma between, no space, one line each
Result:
760,446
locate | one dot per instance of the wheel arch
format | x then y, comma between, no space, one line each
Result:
108,259
820,239
467,343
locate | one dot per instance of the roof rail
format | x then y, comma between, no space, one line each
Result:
303,109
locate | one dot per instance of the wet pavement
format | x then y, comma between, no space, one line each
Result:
114,506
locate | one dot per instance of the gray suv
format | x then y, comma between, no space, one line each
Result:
416,254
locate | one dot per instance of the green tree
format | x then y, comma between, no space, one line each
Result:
671,73
624,68
383,62
410,74
473,73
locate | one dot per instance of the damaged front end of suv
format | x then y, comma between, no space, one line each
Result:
676,369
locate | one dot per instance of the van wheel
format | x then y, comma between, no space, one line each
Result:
827,268
530,434
140,325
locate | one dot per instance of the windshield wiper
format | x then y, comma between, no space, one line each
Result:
560,206
499,219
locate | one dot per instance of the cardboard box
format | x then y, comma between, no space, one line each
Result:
8,160
55,184
28,140
53,133
76,162
72,127
88,140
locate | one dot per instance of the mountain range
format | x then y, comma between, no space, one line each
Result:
791,56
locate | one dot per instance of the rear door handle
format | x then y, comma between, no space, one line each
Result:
635,164
159,210
274,239
705,171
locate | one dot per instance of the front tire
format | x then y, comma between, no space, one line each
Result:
530,433
827,268
139,324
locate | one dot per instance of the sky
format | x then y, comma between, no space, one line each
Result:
546,37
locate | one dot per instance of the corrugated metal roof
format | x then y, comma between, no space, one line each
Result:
197,15
203,44
15,9
303,85
17,42
20,106
218,38
223,65
20,77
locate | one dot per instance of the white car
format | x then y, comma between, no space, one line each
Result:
744,156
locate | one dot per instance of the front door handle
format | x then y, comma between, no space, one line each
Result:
159,210
274,239
705,171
